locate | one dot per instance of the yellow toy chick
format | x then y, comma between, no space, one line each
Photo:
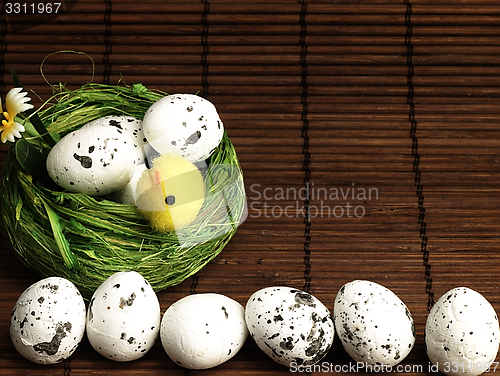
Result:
171,193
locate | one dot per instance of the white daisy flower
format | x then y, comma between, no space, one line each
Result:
16,102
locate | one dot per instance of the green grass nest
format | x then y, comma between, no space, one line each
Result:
86,239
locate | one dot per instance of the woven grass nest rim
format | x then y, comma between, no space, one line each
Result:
87,239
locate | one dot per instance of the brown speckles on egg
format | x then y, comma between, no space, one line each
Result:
287,343
193,138
85,161
127,302
304,298
52,347
115,123
226,315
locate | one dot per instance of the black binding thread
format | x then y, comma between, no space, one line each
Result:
192,290
305,148
204,83
416,156
194,284
107,41
67,367
3,49
205,51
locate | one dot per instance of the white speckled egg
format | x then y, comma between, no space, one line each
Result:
123,318
48,321
184,124
374,325
95,160
291,326
462,333
128,125
203,330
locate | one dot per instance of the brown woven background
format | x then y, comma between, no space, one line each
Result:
398,96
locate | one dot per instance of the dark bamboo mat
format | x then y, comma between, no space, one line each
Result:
396,99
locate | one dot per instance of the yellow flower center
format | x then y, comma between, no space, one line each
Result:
7,122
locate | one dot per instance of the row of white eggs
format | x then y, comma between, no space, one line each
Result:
291,326
103,156
123,322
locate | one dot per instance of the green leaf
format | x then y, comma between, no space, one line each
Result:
35,120
30,158
68,256
15,78
139,89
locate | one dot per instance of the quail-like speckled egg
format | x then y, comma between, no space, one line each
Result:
184,124
291,326
95,160
48,321
203,330
462,333
374,325
128,125
123,317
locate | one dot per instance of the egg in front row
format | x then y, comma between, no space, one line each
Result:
374,325
462,333
291,326
48,321
202,331
123,317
